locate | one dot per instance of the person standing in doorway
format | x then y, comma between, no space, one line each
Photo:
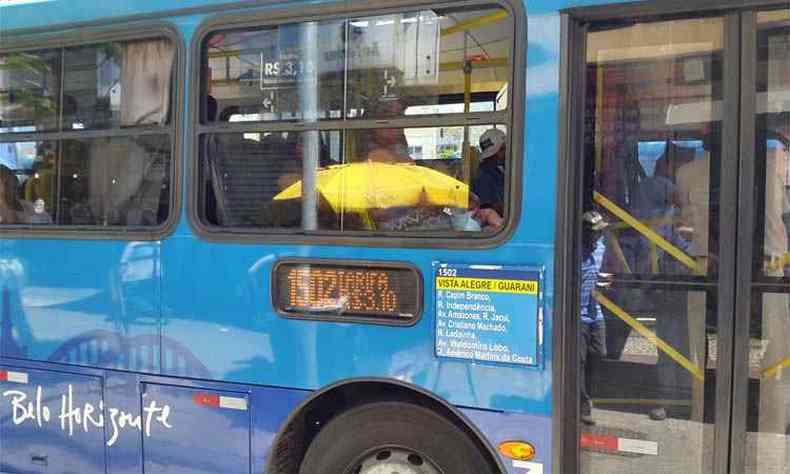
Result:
592,338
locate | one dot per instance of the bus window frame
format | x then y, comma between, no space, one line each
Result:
513,117
127,31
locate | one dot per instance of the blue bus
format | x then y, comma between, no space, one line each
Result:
417,236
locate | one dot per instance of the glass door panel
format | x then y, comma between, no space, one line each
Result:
768,411
649,325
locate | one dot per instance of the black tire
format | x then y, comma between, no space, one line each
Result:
366,431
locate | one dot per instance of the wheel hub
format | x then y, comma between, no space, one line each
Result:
395,461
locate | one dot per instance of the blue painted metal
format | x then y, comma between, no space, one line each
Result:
140,316
190,438
172,450
38,430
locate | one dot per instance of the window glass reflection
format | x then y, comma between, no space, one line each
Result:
27,174
652,163
653,143
772,150
115,181
29,91
383,179
768,420
650,387
424,57
768,416
264,75
421,59
117,84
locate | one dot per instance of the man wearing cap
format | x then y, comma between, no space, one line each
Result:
592,339
489,185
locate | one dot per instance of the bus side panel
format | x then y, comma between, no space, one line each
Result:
270,410
498,427
70,420
48,422
89,303
206,430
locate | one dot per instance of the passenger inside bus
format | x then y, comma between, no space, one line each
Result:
14,210
386,145
655,200
489,185
592,335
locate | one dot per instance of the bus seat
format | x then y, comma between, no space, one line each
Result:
245,175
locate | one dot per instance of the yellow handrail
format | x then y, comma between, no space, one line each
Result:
771,371
650,336
648,233
475,22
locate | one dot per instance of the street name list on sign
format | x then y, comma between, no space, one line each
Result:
489,313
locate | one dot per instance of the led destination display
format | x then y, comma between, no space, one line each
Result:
375,291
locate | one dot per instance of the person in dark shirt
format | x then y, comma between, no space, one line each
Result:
489,185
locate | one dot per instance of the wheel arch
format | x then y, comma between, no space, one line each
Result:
304,423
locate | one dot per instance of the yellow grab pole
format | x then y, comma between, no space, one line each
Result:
650,336
475,23
479,64
647,232
771,371
779,262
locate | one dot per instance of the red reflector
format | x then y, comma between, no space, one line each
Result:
3,375
599,442
207,399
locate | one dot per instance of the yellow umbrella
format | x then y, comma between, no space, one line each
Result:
359,187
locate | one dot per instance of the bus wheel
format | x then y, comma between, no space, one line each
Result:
392,437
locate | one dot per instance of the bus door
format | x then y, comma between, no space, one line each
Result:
684,245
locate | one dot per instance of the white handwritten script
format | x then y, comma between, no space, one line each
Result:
74,416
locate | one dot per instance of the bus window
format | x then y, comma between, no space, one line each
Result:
27,171
29,91
113,181
442,48
99,181
115,84
387,171
256,75
367,180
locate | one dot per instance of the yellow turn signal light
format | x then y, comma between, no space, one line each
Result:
518,450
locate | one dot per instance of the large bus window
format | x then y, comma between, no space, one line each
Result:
420,58
311,168
102,180
381,179
30,91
